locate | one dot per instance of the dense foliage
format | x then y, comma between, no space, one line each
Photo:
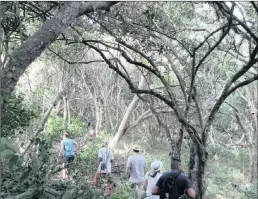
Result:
173,77
16,115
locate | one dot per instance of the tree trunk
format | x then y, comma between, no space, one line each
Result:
99,114
179,141
3,8
197,165
251,98
127,114
58,107
65,111
24,55
251,155
68,113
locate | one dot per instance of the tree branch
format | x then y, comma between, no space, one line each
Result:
241,84
25,54
255,6
208,36
71,62
180,79
217,43
226,92
147,114
225,11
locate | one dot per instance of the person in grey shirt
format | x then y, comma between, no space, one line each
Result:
135,167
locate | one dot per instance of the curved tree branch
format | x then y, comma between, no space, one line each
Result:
225,11
241,84
24,55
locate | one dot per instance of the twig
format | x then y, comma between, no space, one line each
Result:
71,62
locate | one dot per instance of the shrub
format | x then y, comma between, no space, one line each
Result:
56,127
15,115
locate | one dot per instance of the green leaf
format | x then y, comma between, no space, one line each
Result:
13,160
9,144
2,146
7,154
35,164
68,194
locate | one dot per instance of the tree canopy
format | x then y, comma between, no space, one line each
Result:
179,74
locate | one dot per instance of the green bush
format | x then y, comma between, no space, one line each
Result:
15,115
250,192
56,127
35,175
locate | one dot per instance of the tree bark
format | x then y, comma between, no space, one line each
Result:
24,55
252,101
3,9
127,115
197,165
65,113
99,114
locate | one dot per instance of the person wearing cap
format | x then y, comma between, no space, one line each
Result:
135,167
67,153
182,181
151,179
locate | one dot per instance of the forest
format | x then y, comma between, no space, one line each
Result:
176,78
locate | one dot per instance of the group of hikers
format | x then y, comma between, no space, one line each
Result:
171,184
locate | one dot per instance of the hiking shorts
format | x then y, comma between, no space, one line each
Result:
67,160
133,184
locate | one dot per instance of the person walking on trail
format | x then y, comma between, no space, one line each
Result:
151,179
67,153
105,158
135,168
174,184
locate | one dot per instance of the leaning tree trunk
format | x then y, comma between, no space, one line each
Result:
127,115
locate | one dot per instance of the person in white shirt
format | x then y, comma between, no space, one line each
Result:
135,168
105,158
151,179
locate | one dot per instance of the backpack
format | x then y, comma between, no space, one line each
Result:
170,188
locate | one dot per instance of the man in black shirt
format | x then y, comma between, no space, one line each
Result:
182,182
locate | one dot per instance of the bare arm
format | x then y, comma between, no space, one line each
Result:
128,166
155,190
127,171
145,184
61,149
190,193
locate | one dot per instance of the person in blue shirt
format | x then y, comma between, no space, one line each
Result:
67,152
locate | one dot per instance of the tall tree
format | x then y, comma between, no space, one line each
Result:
29,50
127,114
194,55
